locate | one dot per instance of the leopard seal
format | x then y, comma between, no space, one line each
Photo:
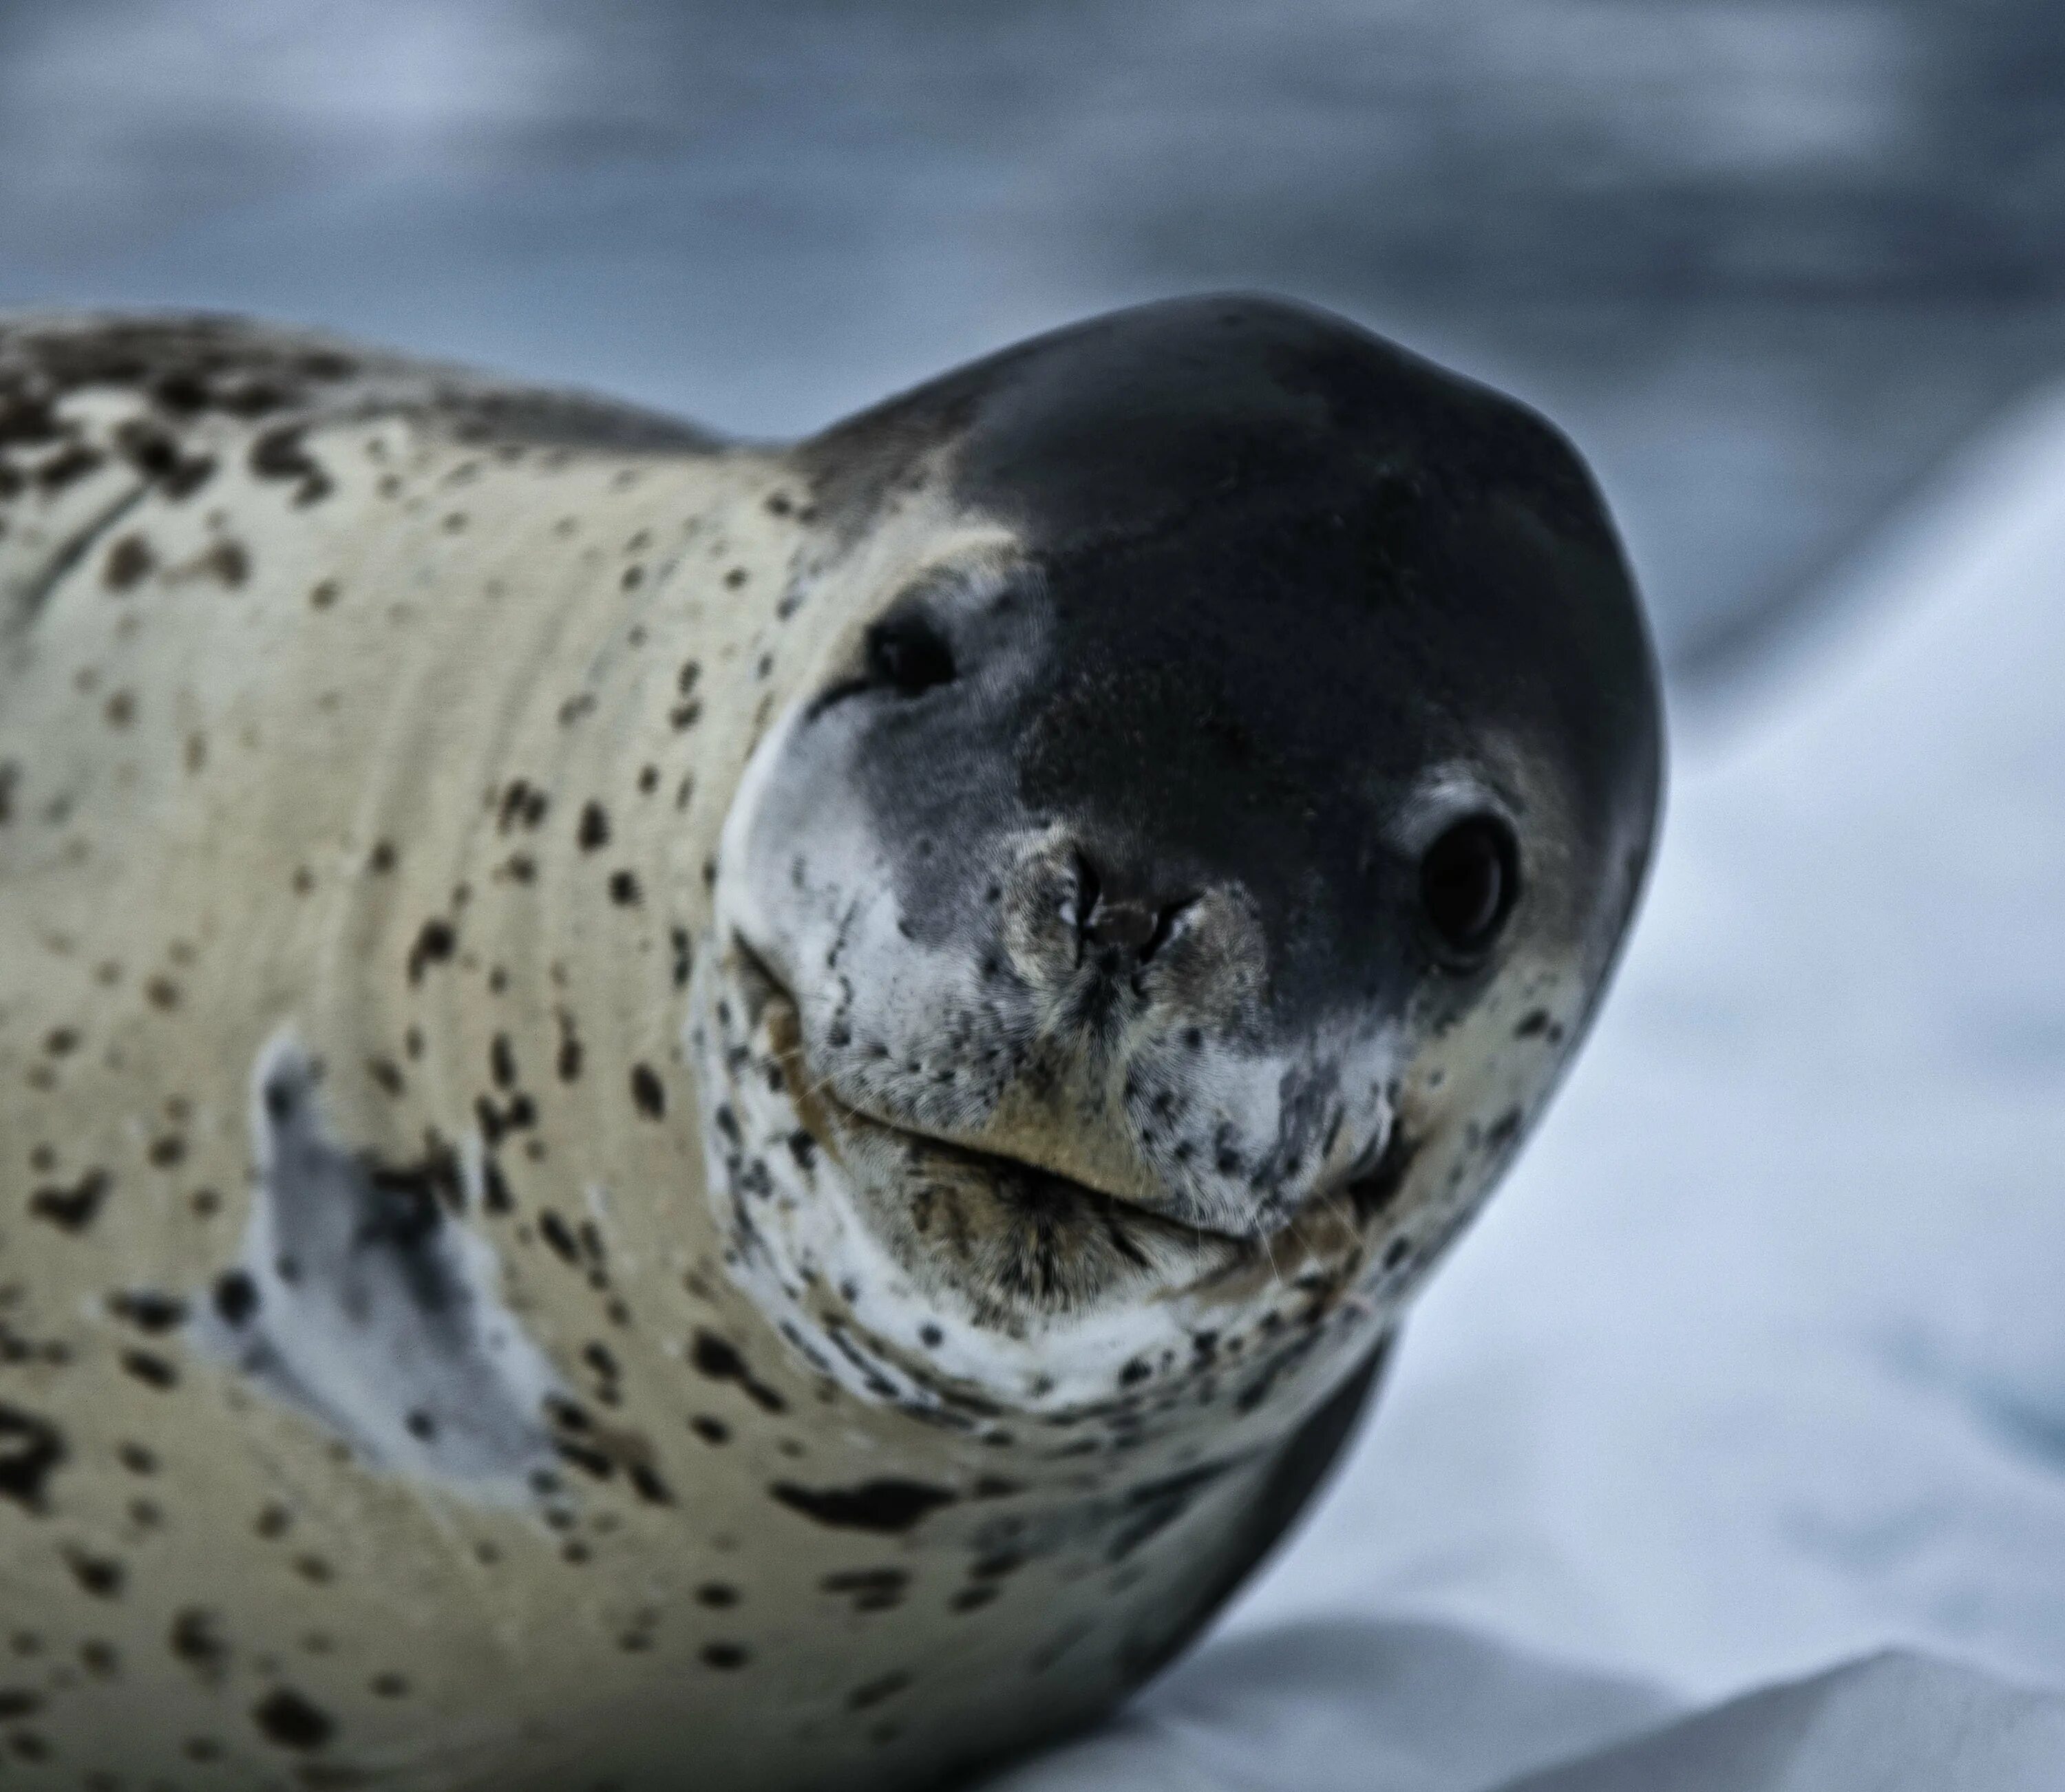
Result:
677,1111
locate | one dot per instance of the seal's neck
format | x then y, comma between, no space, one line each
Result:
552,765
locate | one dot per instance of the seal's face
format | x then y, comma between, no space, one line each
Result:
1200,850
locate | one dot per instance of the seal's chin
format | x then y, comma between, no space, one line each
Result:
935,1275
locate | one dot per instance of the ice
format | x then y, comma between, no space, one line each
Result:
1758,1363
1893,1723
1348,1704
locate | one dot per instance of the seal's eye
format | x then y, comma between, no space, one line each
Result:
908,654
1468,880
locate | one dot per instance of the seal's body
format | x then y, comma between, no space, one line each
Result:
676,1112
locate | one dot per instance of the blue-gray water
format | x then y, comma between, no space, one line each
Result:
1766,260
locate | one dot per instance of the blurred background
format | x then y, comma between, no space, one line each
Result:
1757,1364
1766,258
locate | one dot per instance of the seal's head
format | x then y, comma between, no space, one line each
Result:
1191,862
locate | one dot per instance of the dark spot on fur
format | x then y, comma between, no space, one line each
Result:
228,561
183,390
624,889
646,1483
998,1567
875,1691
281,453
435,942
26,417
68,464
71,1209
151,1370
554,1231
720,1361
101,1577
1503,1131
129,563
709,1430
18,1701
725,1655
148,1310
592,1461
522,805
31,1451
196,1641
284,1716
647,1093
593,832
879,1589
889,1506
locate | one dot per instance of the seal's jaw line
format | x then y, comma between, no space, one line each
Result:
833,1121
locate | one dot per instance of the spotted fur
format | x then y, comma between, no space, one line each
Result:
496,1289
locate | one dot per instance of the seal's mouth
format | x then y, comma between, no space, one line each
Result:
848,1133
1032,1185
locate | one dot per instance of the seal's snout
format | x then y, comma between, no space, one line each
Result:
1121,916
1102,931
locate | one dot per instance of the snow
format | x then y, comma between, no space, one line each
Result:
1758,1362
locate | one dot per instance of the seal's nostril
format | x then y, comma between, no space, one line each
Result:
1165,924
1089,893
1130,926
1122,923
